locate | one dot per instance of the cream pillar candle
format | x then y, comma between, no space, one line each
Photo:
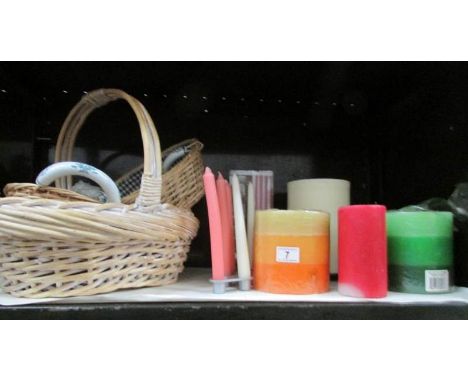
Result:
242,250
325,195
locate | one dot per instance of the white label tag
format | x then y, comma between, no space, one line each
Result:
288,254
437,280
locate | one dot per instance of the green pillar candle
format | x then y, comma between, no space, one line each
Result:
420,251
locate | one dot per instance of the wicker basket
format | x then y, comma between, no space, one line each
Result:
55,248
182,183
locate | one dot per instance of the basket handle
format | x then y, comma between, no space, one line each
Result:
150,188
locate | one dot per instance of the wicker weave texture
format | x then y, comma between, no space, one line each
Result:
57,248
182,183
54,193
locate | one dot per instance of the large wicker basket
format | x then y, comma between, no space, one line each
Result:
55,248
182,182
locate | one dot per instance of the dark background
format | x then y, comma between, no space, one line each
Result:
397,131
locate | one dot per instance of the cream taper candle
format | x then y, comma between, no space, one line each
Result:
325,195
242,250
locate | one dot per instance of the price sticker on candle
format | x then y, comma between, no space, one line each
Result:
437,280
288,254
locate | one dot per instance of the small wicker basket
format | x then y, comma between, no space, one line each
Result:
182,182
57,248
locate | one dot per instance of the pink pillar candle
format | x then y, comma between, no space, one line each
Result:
362,251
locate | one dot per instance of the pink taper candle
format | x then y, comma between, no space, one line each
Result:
230,229
223,208
214,216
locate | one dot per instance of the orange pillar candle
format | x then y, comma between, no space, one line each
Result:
291,251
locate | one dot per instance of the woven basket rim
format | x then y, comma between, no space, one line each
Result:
135,226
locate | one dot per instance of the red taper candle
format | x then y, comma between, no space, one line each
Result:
231,233
362,251
226,224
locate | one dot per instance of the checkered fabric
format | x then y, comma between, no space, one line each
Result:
131,183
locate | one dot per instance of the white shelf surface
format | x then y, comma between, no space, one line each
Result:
193,286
